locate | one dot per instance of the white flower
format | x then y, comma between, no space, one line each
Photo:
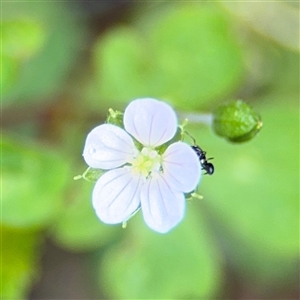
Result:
142,178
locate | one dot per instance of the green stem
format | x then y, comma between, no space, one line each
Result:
206,119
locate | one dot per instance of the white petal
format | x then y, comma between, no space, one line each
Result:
108,146
150,121
181,167
163,208
116,195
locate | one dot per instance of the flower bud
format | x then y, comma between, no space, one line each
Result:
236,121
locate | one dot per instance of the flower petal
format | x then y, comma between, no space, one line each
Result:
116,195
150,121
163,208
181,167
108,146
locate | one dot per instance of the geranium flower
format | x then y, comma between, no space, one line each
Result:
146,176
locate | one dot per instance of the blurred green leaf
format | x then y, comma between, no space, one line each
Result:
120,61
196,54
33,182
19,258
78,227
254,193
51,28
189,55
9,72
22,38
178,265
287,73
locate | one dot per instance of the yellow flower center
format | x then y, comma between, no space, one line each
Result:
147,161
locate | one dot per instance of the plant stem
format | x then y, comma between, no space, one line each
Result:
206,119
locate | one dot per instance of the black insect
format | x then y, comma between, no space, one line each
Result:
207,166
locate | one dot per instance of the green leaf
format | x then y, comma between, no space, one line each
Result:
22,38
50,40
19,261
33,184
9,68
196,55
236,121
78,227
254,196
189,56
121,62
178,265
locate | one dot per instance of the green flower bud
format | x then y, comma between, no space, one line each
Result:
236,121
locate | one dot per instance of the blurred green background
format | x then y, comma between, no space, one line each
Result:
65,64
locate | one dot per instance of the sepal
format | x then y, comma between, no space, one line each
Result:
115,117
91,174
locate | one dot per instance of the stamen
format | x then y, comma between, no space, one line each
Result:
146,162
